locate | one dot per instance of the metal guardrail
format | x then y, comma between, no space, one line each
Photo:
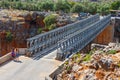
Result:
79,39
43,43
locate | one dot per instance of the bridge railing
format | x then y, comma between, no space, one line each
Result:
78,40
47,41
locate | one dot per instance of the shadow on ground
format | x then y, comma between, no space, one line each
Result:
38,56
10,61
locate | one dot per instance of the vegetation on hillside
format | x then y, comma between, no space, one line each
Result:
62,5
50,22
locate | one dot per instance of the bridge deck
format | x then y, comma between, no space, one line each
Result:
29,69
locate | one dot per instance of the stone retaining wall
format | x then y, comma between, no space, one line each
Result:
59,69
5,58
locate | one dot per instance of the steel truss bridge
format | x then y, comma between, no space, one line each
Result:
68,39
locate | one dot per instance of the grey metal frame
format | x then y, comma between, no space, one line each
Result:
79,39
45,42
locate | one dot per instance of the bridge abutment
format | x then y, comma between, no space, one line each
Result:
106,36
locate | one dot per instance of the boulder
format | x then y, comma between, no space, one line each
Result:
100,74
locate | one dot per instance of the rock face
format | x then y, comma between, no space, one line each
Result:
106,35
22,25
101,66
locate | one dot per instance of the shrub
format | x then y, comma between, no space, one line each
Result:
66,63
91,8
52,26
77,8
87,57
111,51
62,5
69,68
103,9
78,55
39,30
9,36
47,6
115,5
49,20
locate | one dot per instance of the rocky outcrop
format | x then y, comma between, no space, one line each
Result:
101,66
22,25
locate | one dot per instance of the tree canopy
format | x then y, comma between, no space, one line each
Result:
61,5
115,5
77,8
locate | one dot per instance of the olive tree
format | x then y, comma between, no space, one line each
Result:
77,8
104,9
62,5
92,7
49,21
115,5
47,6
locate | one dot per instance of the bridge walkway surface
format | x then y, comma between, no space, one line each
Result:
29,69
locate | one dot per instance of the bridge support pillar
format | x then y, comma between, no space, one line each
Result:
60,55
106,36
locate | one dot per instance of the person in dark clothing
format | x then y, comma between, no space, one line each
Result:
12,53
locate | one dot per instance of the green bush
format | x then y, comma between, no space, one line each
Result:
77,8
66,63
47,6
103,9
62,5
119,8
87,57
39,30
78,55
115,5
9,36
49,20
69,68
91,8
52,26
111,52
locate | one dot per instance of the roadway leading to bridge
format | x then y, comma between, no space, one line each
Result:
29,69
